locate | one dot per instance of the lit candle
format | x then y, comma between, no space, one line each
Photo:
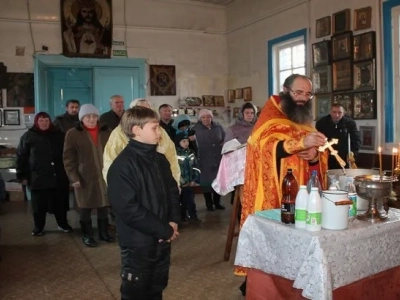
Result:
380,160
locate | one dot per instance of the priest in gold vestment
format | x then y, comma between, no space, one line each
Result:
282,138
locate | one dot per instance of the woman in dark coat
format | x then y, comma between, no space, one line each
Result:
40,167
83,161
210,138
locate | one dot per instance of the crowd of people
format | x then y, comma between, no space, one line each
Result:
141,167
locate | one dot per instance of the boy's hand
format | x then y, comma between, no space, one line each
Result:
175,234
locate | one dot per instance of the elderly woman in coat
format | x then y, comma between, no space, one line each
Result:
40,166
210,137
83,161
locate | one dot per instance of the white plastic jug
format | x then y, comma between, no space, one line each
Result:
335,210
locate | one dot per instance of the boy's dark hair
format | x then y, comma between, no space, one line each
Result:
164,105
72,101
137,116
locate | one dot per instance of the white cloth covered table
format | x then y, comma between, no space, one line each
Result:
230,172
322,261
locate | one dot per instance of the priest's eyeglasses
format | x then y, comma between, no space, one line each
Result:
297,93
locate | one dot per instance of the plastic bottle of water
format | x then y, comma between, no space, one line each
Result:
314,182
314,211
301,207
351,190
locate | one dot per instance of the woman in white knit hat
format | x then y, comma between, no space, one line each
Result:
210,138
83,162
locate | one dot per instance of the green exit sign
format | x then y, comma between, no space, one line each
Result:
120,53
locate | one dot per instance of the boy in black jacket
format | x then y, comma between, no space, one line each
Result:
145,200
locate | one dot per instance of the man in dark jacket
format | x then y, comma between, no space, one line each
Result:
113,116
338,126
145,201
166,121
70,119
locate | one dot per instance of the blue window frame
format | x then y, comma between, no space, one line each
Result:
388,70
280,42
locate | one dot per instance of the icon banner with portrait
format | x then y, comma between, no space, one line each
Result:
86,27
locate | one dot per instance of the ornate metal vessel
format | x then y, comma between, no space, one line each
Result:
374,188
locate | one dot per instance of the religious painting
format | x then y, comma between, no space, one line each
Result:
364,46
20,91
86,27
239,93
342,46
231,96
362,18
247,95
162,80
208,100
219,101
342,75
322,105
365,105
321,53
367,134
364,75
322,79
346,100
341,21
323,27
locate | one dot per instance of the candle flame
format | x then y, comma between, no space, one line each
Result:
379,149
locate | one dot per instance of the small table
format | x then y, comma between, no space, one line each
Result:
320,262
230,178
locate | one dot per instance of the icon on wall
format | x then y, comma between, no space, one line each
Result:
162,80
86,27
20,91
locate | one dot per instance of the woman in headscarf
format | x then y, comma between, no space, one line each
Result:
244,124
210,137
40,167
83,161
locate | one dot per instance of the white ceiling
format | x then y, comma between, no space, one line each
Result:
217,2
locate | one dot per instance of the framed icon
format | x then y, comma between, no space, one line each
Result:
341,21
362,18
342,75
365,106
364,75
321,53
342,46
322,79
364,46
231,96
323,27
247,95
208,100
219,101
239,93
367,134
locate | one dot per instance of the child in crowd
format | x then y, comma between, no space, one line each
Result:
145,201
182,126
190,177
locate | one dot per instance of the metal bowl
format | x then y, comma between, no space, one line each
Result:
373,186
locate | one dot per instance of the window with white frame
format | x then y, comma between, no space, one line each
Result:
289,57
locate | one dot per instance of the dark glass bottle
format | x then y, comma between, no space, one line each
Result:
290,188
